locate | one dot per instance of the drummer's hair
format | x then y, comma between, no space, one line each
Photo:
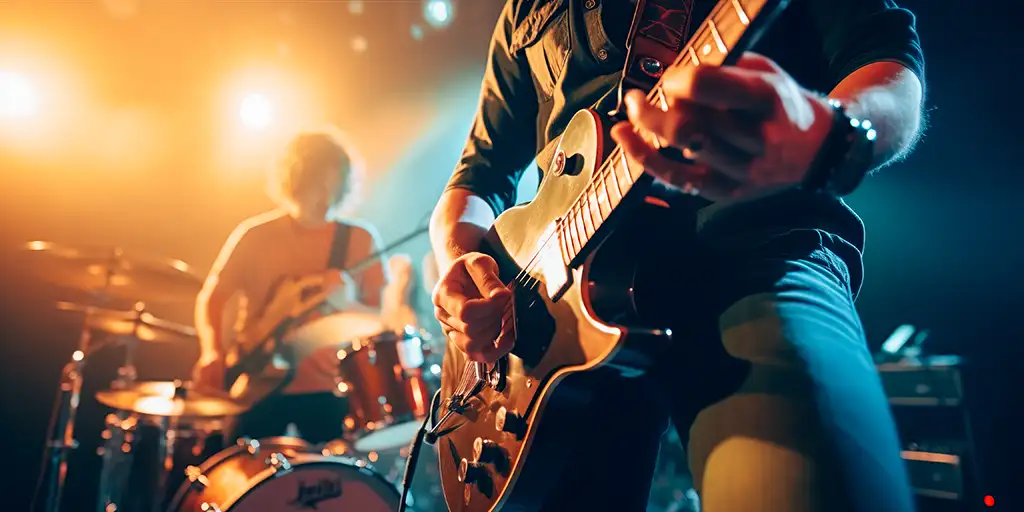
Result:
307,156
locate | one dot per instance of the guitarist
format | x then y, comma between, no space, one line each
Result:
313,182
771,384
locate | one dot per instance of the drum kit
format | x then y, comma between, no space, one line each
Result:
162,449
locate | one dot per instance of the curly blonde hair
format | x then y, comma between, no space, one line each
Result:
306,159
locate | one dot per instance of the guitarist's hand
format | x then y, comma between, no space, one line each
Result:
209,372
470,302
745,128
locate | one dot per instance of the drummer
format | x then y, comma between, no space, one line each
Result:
313,186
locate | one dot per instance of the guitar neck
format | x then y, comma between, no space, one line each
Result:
732,27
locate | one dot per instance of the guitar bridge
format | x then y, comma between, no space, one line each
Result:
475,377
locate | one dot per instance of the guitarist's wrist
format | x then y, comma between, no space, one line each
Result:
458,224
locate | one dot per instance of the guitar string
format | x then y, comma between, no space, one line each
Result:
607,168
599,176
615,154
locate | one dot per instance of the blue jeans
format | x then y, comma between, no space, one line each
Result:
769,380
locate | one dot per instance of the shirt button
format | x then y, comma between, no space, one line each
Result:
602,54
590,4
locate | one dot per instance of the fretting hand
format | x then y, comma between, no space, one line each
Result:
470,302
747,128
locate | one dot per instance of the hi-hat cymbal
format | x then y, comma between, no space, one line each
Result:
111,272
157,398
140,324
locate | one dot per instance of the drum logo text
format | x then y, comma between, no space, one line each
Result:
309,496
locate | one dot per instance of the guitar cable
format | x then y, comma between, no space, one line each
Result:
414,450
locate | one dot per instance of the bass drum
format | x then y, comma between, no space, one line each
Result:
282,474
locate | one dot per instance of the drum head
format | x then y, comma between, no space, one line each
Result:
321,483
390,438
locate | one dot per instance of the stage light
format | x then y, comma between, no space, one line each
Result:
417,32
360,44
17,97
256,111
438,13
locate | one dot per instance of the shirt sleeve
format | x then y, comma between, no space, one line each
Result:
503,136
859,32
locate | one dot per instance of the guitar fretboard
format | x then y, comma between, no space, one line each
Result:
709,46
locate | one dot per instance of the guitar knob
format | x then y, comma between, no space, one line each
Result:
509,421
486,451
471,472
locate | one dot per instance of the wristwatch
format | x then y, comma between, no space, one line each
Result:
845,157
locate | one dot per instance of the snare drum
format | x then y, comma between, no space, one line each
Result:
388,390
283,474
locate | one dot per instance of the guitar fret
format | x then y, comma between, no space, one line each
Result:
602,198
613,201
595,204
581,231
709,45
589,228
717,36
574,231
563,240
662,101
625,167
618,188
693,56
739,12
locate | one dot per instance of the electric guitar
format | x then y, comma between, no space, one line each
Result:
502,429
246,375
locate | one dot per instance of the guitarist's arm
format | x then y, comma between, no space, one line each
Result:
501,144
221,285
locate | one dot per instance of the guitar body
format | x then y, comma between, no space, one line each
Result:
573,334
249,375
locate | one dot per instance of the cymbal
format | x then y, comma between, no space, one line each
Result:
111,272
140,324
157,398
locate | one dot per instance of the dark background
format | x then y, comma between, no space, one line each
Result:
943,253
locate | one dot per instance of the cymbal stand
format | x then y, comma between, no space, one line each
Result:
116,460
62,434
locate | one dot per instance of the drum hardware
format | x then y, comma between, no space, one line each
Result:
105,275
61,437
137,467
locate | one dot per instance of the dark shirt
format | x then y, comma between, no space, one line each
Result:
550,58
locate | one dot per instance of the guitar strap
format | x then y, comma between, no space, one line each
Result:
659,31
339,247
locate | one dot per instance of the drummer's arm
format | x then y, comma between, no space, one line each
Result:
221,285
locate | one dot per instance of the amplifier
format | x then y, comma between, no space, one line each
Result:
926,397
934,381
936,472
